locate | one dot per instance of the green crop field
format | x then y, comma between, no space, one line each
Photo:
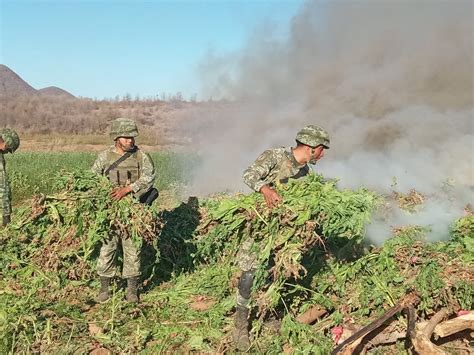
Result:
34,172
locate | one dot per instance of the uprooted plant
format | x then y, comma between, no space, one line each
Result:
317,280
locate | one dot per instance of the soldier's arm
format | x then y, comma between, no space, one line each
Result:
147,175
99,165
255,175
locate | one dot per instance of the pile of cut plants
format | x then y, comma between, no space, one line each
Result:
319,287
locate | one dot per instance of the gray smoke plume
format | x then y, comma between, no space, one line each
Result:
392,81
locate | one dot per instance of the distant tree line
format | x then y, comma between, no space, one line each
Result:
55,114
163,97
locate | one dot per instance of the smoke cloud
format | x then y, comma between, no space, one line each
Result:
392,82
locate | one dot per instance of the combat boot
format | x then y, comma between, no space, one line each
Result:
132,290
241,331
104,294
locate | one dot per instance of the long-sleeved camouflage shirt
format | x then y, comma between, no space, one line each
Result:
137,170
274,165
5,194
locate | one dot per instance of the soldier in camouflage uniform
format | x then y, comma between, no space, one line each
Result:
271,167
9,143
133,173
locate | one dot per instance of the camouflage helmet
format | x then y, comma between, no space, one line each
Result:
11,139
123,127
313,136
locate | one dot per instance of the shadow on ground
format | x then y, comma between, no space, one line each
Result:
175,245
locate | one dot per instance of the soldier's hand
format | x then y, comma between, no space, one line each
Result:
271,197
120,192
5,219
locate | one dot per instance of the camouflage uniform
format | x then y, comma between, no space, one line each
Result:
278,165
138,171
12,142
273,166
5,195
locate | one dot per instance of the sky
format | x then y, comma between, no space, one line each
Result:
105,48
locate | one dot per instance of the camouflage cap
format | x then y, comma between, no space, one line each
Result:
313,136
11,139
123,127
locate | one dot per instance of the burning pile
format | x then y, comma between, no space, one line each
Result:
317,283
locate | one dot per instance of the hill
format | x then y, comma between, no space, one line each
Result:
55,91
12,85
54,111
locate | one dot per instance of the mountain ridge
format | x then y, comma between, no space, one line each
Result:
11,84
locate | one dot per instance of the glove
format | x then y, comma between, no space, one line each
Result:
6,219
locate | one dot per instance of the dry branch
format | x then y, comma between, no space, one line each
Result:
434,321
386,338
451,326
353,341
311,315
422,342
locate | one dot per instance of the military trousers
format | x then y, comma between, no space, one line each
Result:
247,261
106,264
5,204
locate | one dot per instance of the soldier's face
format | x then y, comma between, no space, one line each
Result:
316,154
126,143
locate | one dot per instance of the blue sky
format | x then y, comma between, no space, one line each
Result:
105,48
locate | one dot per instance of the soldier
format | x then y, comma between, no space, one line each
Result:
133,173
271,167
9,143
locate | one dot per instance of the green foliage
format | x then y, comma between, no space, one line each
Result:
463,233
404,264
309,251
302,339
313,212
62,232
35,172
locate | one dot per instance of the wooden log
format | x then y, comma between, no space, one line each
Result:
420,334
386,338
312,314
434,321
422,343
353,341
425,346
349,349
455,325
411,326
451,326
